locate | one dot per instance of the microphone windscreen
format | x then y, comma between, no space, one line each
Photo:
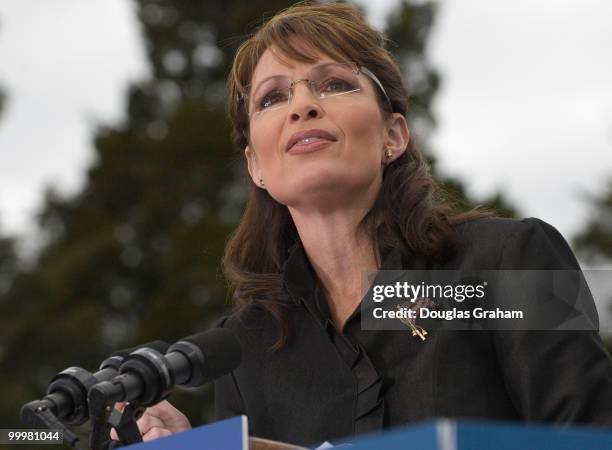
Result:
221,349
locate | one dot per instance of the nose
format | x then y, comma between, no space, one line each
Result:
304,103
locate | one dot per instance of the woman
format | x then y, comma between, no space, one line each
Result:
338,188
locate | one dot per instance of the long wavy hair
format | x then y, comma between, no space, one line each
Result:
410,211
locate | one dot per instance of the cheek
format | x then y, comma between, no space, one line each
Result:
363,130
266,146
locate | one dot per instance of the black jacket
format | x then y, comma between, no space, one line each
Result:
325,385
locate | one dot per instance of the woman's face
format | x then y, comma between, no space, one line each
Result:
342,163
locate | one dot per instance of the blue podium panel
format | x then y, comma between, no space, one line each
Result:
229,434
446,434
531,437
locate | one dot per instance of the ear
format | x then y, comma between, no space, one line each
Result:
398,136
252,165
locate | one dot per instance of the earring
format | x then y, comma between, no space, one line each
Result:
261,182
388,153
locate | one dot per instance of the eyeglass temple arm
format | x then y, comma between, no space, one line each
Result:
369,73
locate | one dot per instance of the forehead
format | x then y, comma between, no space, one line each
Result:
272,62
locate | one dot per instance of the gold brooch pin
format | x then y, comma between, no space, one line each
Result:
417,330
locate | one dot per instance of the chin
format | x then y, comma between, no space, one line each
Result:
320,189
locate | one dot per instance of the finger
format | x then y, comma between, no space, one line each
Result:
148,422
155,433
163,410
120,406
145,424
170,416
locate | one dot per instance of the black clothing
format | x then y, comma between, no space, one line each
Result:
326,385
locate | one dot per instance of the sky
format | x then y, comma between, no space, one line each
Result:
525,104
46,127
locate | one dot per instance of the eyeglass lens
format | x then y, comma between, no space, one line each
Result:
325,80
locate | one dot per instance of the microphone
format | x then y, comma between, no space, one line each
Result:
146,376
67,392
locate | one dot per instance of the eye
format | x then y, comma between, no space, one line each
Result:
334,85
271,99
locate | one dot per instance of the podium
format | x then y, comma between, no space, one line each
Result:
439,434
229,434
450,434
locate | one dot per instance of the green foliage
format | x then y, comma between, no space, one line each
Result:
135,255
454,190
594,242
8,263
408,29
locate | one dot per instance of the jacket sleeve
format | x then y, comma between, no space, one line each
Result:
553,376
228,400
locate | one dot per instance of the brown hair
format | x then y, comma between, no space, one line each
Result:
409,212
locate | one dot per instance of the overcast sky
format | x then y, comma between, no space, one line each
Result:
525,104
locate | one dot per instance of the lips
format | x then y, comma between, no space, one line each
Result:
320,134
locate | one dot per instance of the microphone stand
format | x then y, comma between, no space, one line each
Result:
38,410
125,425
103,416
146,379
101,398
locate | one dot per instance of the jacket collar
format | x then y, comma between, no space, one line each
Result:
300,280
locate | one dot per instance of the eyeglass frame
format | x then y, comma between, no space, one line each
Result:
356,69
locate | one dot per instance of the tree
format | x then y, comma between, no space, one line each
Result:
135,255
9,263
408,30
2,101
594,242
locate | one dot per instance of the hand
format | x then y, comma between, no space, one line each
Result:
157,421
